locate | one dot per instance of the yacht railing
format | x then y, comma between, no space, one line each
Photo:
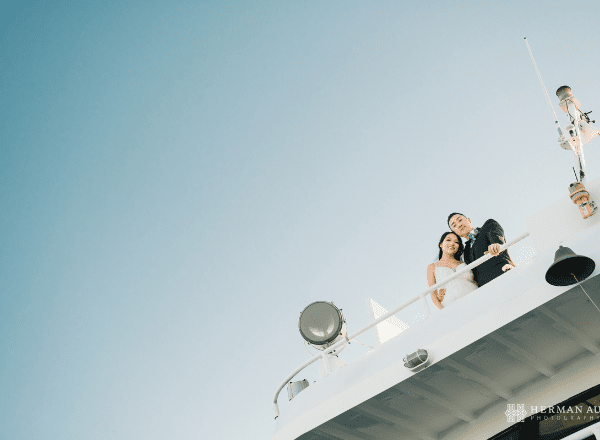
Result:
585,433
421,296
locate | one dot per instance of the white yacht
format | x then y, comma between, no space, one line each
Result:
518,358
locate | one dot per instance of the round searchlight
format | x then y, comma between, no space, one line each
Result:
320,322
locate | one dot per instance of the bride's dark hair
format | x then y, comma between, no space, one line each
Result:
461,247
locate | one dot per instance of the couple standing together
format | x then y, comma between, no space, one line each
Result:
487,238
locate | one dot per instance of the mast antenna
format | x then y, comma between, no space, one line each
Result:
570,105
545,91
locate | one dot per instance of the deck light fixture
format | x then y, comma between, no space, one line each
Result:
569,268
419,358
322,324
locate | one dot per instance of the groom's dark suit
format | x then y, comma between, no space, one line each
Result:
490,232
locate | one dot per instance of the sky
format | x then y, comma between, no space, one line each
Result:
179,180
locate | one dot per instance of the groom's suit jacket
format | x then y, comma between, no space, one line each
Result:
490,232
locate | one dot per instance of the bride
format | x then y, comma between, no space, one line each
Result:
451,249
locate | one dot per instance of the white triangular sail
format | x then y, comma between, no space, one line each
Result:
387,329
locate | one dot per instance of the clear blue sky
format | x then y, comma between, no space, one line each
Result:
178,180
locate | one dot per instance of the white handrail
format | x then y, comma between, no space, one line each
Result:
421,296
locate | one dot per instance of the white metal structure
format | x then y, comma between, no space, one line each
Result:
517,340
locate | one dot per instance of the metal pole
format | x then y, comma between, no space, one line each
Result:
325,357
425,306
573,113
560,133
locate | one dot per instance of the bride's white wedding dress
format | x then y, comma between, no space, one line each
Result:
458,287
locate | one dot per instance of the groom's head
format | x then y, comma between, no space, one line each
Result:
459,224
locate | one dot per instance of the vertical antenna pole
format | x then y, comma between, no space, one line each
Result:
578,151
544,89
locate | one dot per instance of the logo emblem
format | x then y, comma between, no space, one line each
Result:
515,414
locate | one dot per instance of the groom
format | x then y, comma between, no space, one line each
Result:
487,238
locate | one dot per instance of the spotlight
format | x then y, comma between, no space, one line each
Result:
322,324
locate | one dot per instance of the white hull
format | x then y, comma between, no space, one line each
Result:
516,340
